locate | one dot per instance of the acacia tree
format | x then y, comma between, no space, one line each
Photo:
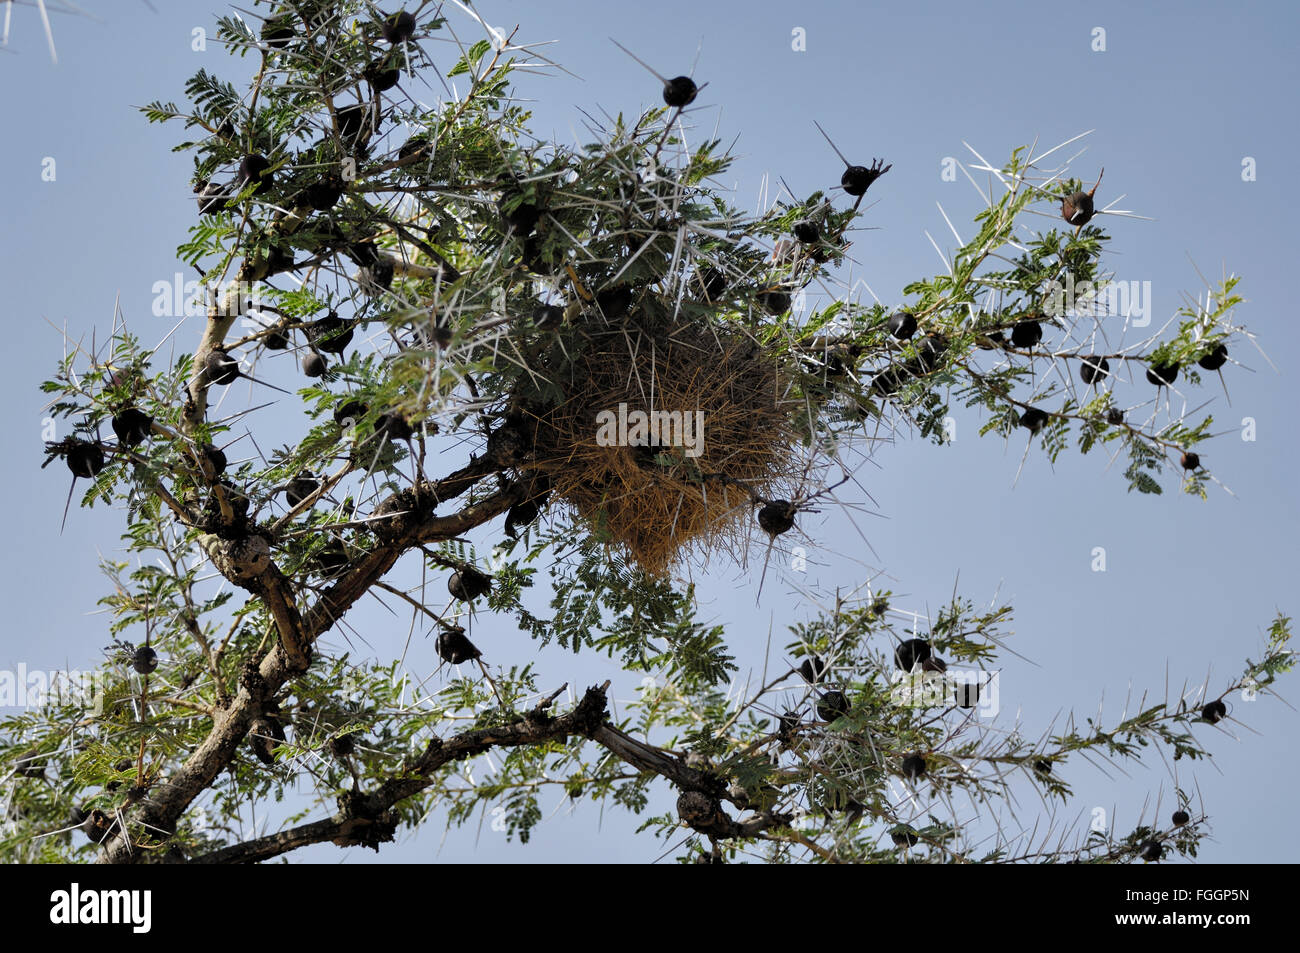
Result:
475,320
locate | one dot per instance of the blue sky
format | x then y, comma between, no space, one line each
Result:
1182,93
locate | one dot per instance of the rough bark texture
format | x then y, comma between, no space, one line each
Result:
247,561
291,656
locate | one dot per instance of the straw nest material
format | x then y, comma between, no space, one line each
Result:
662,502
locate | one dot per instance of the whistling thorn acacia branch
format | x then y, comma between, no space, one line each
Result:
291,656
601,223
365,819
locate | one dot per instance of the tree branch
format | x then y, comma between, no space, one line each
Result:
366,820
292,653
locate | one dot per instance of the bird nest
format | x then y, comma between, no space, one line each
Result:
665,434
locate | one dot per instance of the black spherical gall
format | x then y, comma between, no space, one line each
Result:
145,660
349,412
935,664
776,517
1151,850
1026,334
277,32
333,558
914,767
837,800
323,195
806,232
1042,767
774,301
1094,369
398,27
1215,359
966,694
378,275
279,258
888,381
85,459
330,334
214,458
1190,460
392,426
97,826
646,455
1162,375
1077,208
904,836
468,584
265,735
902,325
301,487
540,260
908,654
1034,419
520,219
342,746
929,353
313,365
221,367
132,426
216,519
858,178
548,317
680,91
255,170
382,77
414,146
1215,711
211,198
521,514
712,282
510,444
276,340
1180,818
356,118
832,705
1115,416
454,647
614,302
813,669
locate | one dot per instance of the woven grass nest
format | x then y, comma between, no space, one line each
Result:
661,503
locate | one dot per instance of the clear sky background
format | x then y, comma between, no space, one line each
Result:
1183,92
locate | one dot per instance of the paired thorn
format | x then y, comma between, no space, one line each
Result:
679,91
832,144
856,178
